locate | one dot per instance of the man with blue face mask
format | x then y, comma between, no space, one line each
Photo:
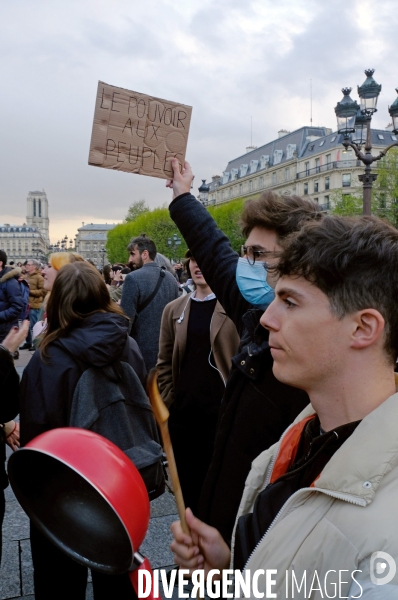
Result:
256,408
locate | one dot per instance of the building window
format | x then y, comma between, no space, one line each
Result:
261,182
240,188
328,160
307,168
230,192
326,201
316,186
380,136
287,174
327,183
273,178
305,189
39,207
34,207
316,200
317,165
346,180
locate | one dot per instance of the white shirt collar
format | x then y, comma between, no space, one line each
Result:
209,297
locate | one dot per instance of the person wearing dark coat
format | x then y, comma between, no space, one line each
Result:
11,300
84,329
9,405
256,407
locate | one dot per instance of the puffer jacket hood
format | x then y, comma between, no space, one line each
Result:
9,273
99,341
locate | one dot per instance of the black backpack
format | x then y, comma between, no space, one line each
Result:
112,402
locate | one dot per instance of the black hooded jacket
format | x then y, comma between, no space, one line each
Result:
256,408
47,388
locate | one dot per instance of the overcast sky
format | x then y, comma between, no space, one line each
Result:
229,59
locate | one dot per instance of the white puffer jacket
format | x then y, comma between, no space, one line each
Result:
350,513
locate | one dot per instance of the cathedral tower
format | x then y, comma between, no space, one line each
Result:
37,213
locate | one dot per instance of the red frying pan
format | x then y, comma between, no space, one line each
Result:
86,496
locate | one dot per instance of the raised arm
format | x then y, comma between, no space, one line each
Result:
208,244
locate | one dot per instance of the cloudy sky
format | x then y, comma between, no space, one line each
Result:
229,59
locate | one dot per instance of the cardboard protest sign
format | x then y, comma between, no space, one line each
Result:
137,133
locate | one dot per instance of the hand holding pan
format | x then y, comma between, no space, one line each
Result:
86,496
162,414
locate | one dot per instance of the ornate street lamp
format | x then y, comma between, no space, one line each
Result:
103,252
359,135
352,119
173,244
393,110
346,112
204,193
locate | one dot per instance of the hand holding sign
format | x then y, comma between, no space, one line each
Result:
137,133
182,178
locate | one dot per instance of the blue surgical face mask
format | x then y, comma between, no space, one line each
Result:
253,284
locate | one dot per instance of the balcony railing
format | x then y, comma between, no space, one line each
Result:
341,164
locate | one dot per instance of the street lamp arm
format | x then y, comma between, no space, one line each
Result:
384,152
357,149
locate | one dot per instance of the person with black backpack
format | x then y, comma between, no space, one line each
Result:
87,372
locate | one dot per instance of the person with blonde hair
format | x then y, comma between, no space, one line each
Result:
85,329
56,261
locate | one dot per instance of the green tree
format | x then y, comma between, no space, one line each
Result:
155,223
227,216
158,225
385,188
347,205
136,209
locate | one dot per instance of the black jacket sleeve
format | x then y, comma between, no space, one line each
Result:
9,378
213,253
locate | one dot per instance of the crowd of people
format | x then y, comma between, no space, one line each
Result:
277,367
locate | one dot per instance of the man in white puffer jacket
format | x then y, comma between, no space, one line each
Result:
320,507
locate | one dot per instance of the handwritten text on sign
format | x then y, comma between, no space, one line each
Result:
138,133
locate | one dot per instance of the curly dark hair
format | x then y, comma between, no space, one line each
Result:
282,214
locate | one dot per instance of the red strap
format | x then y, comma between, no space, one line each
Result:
288,449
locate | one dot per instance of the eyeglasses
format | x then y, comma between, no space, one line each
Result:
251,254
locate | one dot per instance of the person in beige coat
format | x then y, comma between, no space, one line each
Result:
197,343
318,517
36,297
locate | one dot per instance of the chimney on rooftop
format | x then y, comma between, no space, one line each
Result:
250,148
282,132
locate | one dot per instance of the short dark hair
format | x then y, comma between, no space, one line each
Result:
3,257
354,262
142,242
282,214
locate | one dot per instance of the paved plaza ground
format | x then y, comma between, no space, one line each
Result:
16,574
